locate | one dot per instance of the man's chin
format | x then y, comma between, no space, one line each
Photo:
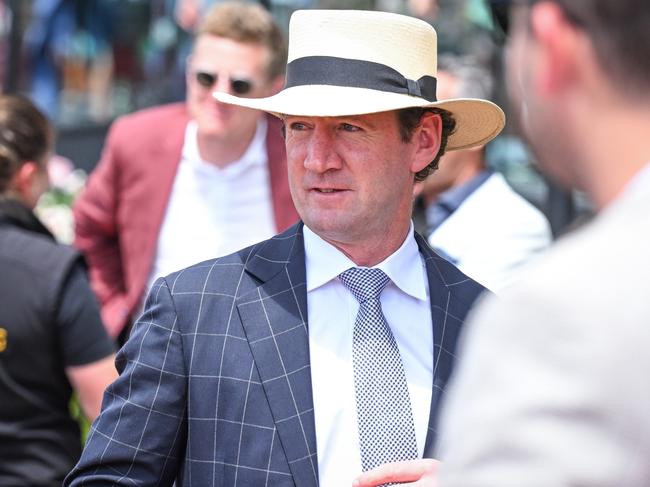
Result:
333,230
212,129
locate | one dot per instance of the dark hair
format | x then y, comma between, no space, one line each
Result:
409,119
248,23
619,32
25,135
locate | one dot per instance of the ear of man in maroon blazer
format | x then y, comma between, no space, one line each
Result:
119,214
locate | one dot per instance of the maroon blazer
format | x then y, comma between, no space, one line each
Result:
119,214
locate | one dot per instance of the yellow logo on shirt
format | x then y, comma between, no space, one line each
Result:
3,340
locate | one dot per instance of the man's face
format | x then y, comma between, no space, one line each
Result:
518,70
351,178
228,60
542,115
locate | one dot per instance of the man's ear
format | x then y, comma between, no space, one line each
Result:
24,179
558,43
30,182
427,139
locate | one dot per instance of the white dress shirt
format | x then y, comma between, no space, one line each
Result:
332,311
214,211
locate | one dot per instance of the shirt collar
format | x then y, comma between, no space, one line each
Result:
404,267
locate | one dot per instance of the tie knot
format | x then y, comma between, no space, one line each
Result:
364,283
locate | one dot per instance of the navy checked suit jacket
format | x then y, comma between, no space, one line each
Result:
215,384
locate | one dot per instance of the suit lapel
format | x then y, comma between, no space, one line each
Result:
274,317
451,295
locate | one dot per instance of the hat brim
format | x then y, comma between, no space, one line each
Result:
477,121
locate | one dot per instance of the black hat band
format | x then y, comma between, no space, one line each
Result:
355,73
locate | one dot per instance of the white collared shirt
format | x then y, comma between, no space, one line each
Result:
214,211
332,312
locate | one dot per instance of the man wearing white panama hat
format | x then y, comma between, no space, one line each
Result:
216,379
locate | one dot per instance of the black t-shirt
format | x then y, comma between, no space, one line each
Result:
39,441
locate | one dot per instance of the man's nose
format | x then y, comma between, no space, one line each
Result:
322,154
222,84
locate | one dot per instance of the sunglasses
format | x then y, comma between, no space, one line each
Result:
239,86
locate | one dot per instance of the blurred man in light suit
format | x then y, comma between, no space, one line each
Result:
472,214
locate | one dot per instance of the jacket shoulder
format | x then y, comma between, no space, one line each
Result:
226,274
150,120
23,245
36,255
456,281
463,287
498,205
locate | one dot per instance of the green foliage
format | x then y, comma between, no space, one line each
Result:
77,414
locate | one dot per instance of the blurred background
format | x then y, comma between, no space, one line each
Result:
86,62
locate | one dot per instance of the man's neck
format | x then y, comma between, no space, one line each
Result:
619,147
371,252
222,151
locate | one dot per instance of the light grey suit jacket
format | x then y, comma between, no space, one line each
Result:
553,385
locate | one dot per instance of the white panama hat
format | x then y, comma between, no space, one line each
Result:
354,62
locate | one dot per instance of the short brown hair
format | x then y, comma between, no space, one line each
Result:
620,33
25,135
410,118
248,23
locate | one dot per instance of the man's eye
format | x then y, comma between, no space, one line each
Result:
347,127
297,126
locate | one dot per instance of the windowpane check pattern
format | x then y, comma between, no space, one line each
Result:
215,386
384,417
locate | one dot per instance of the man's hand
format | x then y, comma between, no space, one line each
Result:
420,473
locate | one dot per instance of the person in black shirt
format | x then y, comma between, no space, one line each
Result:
52,340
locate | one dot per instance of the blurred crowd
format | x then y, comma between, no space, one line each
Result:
182,178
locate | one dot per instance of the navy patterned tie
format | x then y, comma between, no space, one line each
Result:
385,421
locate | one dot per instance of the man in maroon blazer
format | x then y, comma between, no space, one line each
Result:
181,183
